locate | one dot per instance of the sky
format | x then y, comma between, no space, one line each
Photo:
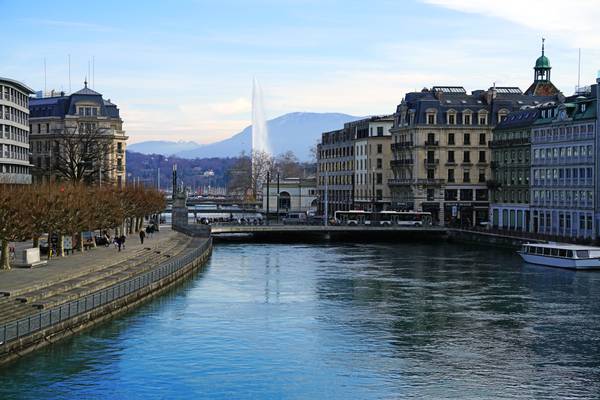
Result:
183,69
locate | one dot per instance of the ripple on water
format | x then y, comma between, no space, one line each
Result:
402,320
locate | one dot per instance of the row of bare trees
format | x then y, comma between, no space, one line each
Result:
29,211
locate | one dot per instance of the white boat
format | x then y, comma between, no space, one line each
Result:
561,255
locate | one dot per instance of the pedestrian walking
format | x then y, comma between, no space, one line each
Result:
123,237
142,236
118,242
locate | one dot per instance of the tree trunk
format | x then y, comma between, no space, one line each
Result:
36,242
130,231
80,246
5,258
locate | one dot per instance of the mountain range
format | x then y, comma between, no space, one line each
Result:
297,131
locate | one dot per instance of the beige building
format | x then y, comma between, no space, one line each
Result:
372,156
441,156
57,121
14,132
295,195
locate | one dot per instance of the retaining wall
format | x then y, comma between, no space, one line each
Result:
25,335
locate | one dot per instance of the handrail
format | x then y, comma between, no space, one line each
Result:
26,326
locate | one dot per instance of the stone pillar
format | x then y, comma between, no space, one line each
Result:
180,210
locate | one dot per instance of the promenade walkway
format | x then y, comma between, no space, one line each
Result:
24,291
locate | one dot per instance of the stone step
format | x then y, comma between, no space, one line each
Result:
49,299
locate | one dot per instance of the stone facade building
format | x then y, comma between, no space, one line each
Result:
372,156
295,195
509,186
14,132
564,168
84,112
440,143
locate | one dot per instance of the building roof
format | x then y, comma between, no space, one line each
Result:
542,88
519,119
63,105
87,91
18,84
542,62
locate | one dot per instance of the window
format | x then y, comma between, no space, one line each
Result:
430,119
379,163
466,194
430,156
451,119
467,138
451,156
430,194
431,138
379,178
379,148
467,176
380,131
451,138
482,138
379,194
431,173
466,156
482,156
467,119
482,175
450,175
451,195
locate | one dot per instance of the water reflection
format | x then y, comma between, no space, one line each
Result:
340,321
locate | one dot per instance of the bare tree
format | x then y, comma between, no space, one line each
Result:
247,176
288,165
83,154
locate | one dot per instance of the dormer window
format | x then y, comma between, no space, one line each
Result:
482,116
430,116
467,118
451,117
583,107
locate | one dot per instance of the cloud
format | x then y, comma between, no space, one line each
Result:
237,106
573,22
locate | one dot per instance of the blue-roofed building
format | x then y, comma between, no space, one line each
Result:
564,168
509,184
56,121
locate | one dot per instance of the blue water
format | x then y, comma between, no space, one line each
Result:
280,321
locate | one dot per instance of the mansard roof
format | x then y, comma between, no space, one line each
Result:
63,105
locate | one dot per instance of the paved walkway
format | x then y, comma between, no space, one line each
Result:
20,280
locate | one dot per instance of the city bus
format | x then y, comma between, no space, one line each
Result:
383,218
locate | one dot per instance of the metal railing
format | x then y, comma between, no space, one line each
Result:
26,326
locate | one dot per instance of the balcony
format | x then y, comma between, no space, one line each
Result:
410,181
401,163
508,142
401,145
431,162
431,143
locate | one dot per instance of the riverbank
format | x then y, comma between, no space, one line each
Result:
40,306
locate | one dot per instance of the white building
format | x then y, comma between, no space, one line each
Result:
294,195
14,132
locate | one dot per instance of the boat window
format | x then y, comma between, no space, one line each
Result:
562,253
540,250
582,254
554,252
570,253
546,251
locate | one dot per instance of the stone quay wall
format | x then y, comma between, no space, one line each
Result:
48,326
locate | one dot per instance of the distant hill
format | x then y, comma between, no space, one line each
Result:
297,131
164,147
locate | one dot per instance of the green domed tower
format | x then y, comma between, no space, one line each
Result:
542,67
542,86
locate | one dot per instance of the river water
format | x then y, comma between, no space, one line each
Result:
339,321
